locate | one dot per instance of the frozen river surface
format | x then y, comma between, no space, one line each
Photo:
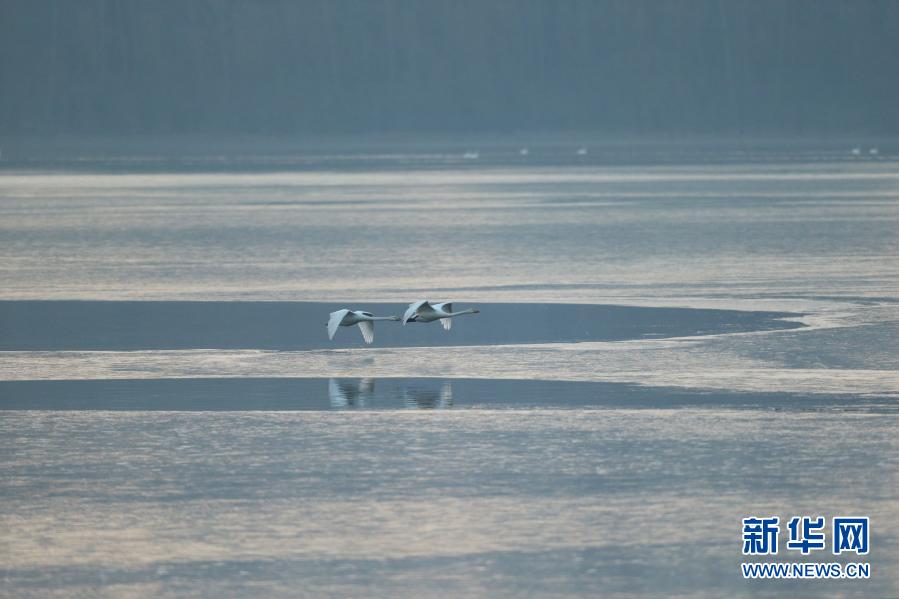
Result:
661,351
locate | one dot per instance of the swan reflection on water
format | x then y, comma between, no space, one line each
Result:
350,393
360,393
424,398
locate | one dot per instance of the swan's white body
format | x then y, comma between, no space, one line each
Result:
424,311
347,318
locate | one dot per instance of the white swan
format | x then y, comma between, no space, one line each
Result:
424,311
347,318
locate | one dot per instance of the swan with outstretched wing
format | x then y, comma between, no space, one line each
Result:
425,311
364,320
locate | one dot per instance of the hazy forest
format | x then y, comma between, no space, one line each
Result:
706,67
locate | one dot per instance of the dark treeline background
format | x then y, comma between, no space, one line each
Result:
642,67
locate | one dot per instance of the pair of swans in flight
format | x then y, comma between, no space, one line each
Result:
420,311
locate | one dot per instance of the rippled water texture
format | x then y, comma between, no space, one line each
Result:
497,233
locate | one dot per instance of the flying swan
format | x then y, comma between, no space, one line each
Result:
424,311
347,318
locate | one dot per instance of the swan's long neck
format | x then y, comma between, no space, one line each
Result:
381,317
469,311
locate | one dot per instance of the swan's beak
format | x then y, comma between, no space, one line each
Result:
475,311
397,318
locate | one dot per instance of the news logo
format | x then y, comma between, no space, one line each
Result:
806,535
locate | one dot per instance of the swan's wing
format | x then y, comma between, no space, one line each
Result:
426,308
334,321
415,307
368,330
445,307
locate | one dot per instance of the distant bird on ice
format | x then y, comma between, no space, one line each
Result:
524,151
582,151
424,311
856,151
873,151
347,318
